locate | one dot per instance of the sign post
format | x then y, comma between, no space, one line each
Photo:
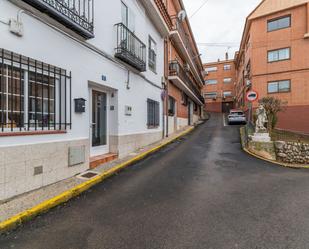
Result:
251,96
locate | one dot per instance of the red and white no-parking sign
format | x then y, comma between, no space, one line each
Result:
252,96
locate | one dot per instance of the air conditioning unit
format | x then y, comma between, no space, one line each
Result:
246,74
187,67
205,73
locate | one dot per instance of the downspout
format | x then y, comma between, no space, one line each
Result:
168,59
164,86
306,36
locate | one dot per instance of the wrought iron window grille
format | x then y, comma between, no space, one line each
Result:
33,95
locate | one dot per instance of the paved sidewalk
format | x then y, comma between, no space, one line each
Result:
26,201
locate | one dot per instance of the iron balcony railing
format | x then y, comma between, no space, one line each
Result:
178,26
77,15
130,48
175,69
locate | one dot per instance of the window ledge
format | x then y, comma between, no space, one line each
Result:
306,36
152,127
30,133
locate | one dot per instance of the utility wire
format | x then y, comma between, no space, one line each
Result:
218,45
195,12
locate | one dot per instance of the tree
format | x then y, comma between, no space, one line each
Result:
273,106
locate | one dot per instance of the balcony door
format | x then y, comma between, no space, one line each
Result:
99,127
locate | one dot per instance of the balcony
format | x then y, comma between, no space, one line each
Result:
76,15
130,49
179,77
184,46
157,12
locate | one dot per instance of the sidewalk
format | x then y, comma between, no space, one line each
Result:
22,203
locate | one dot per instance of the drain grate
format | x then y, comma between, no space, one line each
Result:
88,175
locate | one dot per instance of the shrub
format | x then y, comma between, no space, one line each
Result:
273,106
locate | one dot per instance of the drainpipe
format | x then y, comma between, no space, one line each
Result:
167,82
306,36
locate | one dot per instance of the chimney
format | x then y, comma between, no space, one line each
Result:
226,56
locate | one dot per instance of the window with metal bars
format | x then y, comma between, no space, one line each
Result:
171,106
152,54
33,95
153,113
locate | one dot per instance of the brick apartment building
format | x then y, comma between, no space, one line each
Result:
218,90
183,67
274,59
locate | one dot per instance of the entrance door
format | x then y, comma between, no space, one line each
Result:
99,123
227,106
189,113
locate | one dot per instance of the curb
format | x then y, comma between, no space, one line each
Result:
286,165
18,219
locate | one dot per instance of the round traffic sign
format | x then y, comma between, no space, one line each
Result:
252,96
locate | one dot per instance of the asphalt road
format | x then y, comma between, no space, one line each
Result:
202,192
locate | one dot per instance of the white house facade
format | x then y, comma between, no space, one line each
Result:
79,79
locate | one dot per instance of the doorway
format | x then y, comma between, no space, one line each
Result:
99,123
227,106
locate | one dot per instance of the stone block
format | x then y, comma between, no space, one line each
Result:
280,145
263,149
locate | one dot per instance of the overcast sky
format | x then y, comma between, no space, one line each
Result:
219,21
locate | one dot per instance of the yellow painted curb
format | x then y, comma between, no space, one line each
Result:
294,166
67,195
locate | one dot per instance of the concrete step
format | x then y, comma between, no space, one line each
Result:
101,159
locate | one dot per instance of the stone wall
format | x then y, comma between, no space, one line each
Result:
292,152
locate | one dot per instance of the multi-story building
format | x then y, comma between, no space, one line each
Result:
78,80
274,59
184,103
219,88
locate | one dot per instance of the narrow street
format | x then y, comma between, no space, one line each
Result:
202,192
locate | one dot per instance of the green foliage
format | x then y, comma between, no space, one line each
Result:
273,106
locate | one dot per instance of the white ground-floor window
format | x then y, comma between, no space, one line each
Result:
33,95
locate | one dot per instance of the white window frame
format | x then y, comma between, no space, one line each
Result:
211,82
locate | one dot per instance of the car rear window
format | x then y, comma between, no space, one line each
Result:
237,113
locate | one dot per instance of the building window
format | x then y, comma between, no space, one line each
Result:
227,67
152,55
153,113
211,69
281,86
195,107
127,17
227,80
33,95
124,14
211,95
184,99
227,94
279,23
211,82
171,106
279,55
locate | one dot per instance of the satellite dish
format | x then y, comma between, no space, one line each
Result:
182,15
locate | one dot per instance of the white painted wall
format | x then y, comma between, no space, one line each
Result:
50,46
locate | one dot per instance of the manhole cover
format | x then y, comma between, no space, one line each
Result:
87,175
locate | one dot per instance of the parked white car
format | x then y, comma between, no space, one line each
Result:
237,117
